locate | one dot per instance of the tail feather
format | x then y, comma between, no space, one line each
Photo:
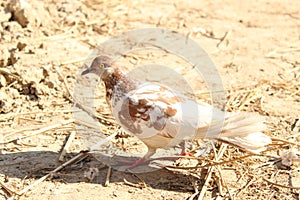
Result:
240,129
253,142
242,124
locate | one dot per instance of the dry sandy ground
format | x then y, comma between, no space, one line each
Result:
254,44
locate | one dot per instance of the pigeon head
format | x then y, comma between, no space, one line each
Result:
99,66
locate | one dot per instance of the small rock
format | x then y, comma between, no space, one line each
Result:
4,15
115,194
2,81
219,198
2,104
4,58
14,93
5,103
13,27
6,37
131,191
13,58
295,179
298,139
23,13
230,177
21,45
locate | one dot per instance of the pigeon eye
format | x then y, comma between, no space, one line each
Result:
102,65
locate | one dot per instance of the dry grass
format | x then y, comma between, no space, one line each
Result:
37,98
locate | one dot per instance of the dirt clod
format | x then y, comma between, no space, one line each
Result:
44,45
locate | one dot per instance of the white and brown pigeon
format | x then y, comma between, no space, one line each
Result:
162,118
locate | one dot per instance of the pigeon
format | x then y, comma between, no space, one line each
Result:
163,118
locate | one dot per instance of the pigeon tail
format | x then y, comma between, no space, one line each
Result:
240,129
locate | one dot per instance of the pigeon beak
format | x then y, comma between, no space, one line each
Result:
87,71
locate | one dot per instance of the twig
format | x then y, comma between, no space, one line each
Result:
196,191
8,115
224,38
219,184
271,195
86,110
77,158
107,176
7,189
223,182
279,185
41,130
105,140
211,169
284,141
137,185
67,145
211,164
207,179
53,37
71,98
90,125
278,51
245,187
5,71
74,159
214,163
142,181
249,97
194,195
26,189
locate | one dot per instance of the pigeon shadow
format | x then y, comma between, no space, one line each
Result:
36,164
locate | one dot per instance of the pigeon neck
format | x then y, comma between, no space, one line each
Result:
115,79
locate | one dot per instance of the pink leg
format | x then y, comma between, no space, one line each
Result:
183,150
140,161
146,159
137,163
